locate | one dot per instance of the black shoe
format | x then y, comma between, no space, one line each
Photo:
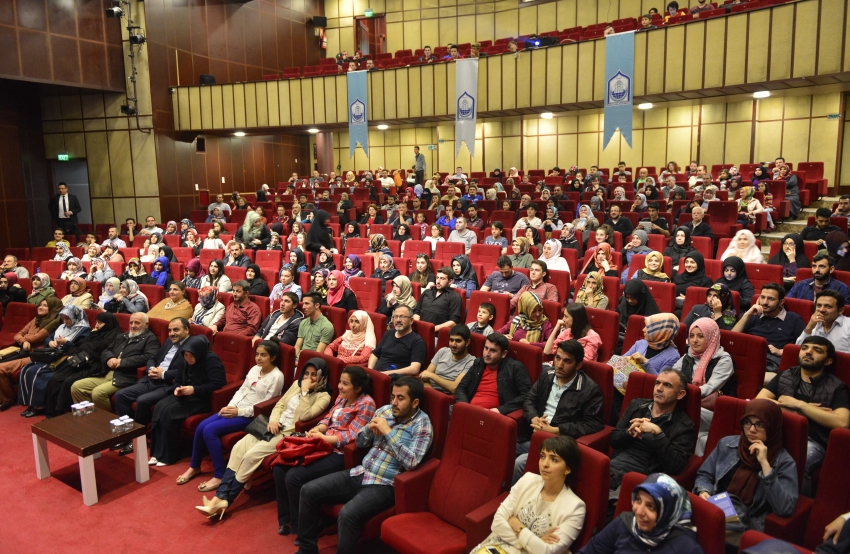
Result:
118,446
27,413
283,530
6,405
126,449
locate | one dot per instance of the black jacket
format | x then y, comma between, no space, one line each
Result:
73,206
703,230
579,410
134,352
348,301
173,368
287,334
241,261
207,374
265,238
512,382
623,225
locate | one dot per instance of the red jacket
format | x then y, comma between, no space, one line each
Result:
295,451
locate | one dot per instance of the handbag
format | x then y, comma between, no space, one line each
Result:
623,367
11,353
45,355
259,428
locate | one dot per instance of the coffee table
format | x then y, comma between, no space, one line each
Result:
86,437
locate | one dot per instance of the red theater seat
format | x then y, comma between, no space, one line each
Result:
17,315
367,291
607,325
502,303
749,356
235,352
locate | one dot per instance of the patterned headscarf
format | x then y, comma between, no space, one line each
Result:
725,295
133,290
79,322
672,505
533,327
323,289
568,232
598,294
555,245
207,297
747,194
661,330
64,254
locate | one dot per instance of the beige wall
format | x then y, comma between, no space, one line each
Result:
742,132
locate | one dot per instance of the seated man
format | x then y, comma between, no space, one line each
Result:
119,362
150,226
829,321
563,401
843,208
114,238
235,256
530,218
241,316
10,264
473,221
153,386
58,236
619,223
768,318
315,332
813,391
399,436
283,323
657,225
451,363
538,275
223,207
817,233
439,304
506,280
653,435
464,235
823,266
403,352
495,382
698,227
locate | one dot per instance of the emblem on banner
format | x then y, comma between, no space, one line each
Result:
357,113
466,107
619,89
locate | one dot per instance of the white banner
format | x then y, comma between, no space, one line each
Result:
466,79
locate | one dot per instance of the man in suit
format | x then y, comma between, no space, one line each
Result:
153,386
64,208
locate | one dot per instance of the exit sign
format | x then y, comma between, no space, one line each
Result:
432,147
63,157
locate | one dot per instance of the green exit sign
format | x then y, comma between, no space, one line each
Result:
63,157
368,13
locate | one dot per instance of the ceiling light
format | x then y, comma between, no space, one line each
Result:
547,115
314,130
761,94
383,127
238,134
645,106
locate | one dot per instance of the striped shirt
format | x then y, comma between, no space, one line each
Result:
401,449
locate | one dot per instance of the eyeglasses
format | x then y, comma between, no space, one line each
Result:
747,424
401,317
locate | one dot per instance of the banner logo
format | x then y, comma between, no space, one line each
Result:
466,107
619,90
619,73
357,113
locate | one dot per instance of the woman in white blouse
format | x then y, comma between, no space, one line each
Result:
541,515
552,256
264,381
215,277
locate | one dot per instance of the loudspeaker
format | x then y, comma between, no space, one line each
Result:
320,21
207,79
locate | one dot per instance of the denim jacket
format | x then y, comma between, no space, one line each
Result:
777,492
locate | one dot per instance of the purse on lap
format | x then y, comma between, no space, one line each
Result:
259,428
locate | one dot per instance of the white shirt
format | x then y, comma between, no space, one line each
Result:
838,335
287,418
255,389
67,206
117,241
387,182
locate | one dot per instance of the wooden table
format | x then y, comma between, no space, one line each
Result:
87,436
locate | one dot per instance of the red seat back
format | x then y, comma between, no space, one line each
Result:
749,357
338,317
429,335
53,268
382,387
414,247
486,254
528,355
263,303
235,273
17,315
607,325
761,274
235,352
447,250
811,249
210,254
155,294
695,296
664,295
367,291
832,499
603,375
269,258
502,303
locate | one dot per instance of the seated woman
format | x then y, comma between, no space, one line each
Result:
135,271
759,475
652,270
718,307
735,277
264,381
386,270
574,325
568,238
639,206
110,289
592,293
41,289
215,277
259,287
465,277
435,235
355,345
743,245
656,350
660,521
352,410
423,272
197,377
748,206
692,276
372,216
191,240
530,324
520,256
636,300
402,234
401,293
532,235
32,336
378,246
274,242
173,305
585,220
352,231
678,247
286,284
297,260
161,274
636,246
194,273
324,261
99,271
791,256
128,299
320,284
600,261
73,268
338,295
79,294
32,383
551,254
542,513
209,310
10,290
63,252
92,252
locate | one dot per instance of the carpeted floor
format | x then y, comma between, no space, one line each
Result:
158,516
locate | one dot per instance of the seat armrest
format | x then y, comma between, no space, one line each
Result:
793,527
304,426
353,456
480,520
141,371
265,408
412,488
688,476
222,396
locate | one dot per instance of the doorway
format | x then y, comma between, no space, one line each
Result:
371,34
75,174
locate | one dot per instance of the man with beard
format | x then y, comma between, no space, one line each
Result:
495,382
451,363
822,268
402,352
439,305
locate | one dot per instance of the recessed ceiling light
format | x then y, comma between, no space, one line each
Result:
314,130
547,115
383,127
761,94
239,134
645,106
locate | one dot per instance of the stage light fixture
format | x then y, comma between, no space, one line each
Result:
115,12
126,109
138,39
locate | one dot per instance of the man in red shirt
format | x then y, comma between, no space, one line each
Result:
242,316
495,382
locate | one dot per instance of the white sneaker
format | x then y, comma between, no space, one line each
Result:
152,461
161,464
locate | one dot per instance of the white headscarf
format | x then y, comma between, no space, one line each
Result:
353,342
751,254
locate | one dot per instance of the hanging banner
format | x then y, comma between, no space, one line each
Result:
358,117
466,92
619,77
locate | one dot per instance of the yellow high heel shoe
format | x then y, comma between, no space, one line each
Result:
214,507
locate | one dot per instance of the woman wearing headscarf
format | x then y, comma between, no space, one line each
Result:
253,234
319,237
592,292
171,228
297,260
263,382
339,296
678,247
274,242
200,374
32,383
378,246
743,245
653,269
693,274
110,289
791,256
635,246
168,253
161,276
760,173
151,253
838,246
73,268
585,220
530,325
99,271
401,294
386,270
209,310
753,467
128,300
92,252
173,305
254,276
194,274
660,521
465,277
352,267
63,252
352,231
191,240
320,284
551,254
10,291
520,256
636,300
656,351
792,190
568,238
718,307
79,294
185,226
600,261
532,235
355,345
41,288
32,336
135,271
748,206
324,261
402,234
639,206
735,277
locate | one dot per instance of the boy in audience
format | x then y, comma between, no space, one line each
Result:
484,318
496,229
451,363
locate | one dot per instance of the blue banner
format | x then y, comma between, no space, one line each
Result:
619,78
358,116
466,96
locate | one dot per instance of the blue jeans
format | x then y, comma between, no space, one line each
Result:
208,439
521,460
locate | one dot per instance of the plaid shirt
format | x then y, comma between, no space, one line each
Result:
403,448
344,422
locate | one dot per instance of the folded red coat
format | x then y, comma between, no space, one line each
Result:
296,451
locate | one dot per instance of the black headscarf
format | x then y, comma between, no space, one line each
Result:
405,236
646,305
99,339
698,278
165,250
199,347
676,251
535,234
258,287
467,272
322,368
740,273
356,229
319,234
299,256
781,259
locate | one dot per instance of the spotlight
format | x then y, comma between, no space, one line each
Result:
761,94
536,43
126,109
383,127
645,106
138,39
547,115
115,11
238,134
314,131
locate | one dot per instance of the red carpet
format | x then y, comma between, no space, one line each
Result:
158,516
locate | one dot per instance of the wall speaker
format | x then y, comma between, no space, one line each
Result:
320,21
207,79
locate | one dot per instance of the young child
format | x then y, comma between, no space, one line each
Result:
768,209
496,237
422,225
486,314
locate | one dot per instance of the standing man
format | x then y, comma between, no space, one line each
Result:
419,165
64,208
